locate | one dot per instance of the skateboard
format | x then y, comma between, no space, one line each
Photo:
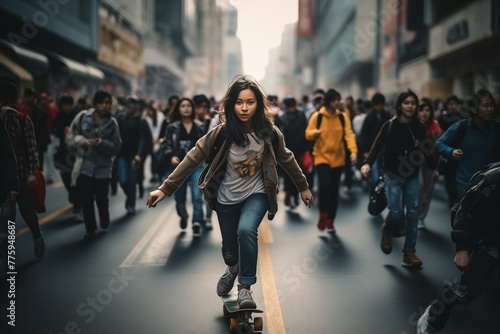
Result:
241,321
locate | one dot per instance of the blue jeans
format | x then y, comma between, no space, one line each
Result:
238,225
127,176
375,168
402,193
180,197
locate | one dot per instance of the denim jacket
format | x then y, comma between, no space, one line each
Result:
213,174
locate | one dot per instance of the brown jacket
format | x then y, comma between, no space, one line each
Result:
213,174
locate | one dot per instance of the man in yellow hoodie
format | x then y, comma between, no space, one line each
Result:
332,134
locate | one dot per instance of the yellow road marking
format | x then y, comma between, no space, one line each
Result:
274,317
130,259
47,218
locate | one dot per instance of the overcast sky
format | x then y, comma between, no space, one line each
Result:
260,24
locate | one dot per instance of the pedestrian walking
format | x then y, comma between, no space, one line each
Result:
472,143
131,152
181,136
22,135
450,115
427,178
476,234
241,181
293,126
371,127
202,112
157,127
404,140
95,136
332,135
38,117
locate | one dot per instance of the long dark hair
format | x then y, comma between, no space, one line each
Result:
475,100
175,113
402,96
431,108
262,120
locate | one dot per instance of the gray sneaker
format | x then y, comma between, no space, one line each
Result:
39,246
245,298
226,282
423,326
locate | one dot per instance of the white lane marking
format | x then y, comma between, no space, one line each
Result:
139,247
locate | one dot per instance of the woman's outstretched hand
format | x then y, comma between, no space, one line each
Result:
307,198
155,197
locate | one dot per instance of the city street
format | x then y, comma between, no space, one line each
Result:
145,275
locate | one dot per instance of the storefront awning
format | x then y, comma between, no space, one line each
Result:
71,67
16,69
36,63
153,58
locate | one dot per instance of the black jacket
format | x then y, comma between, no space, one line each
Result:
370,129
404,144
293,126
133,133
477,215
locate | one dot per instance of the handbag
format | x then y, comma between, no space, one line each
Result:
39,192
378,200
305,162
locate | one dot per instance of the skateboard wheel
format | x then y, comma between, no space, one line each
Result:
233,326
257,324
225,311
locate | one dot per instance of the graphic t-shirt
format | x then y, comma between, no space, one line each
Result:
243,172
186,141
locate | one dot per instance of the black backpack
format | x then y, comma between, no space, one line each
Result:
487,176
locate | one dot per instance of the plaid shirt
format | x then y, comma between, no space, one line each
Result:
22,136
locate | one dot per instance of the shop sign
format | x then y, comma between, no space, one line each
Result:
457,32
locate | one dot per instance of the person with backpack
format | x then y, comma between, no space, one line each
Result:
240,182
332,134
472,143
403,138
476,234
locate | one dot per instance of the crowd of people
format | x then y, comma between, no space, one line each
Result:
318,145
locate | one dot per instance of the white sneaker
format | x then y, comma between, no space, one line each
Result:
196,230
421,224
423,326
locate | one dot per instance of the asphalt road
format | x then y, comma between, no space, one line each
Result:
145,275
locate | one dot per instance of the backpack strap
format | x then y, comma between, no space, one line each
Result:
319,119
461,132
219,141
